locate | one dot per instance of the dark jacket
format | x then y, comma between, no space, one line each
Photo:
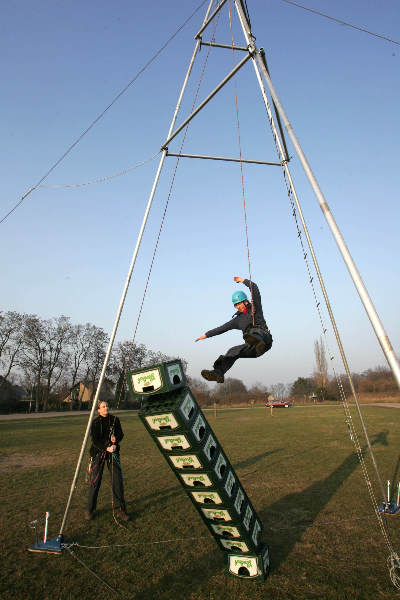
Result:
101,431
244,321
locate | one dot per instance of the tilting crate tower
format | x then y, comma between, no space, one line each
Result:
181,432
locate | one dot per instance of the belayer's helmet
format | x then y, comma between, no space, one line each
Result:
238,297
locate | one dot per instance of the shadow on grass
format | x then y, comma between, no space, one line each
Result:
254,459
184,581
153,500
297,512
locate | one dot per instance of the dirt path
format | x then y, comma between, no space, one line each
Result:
46,415
77,413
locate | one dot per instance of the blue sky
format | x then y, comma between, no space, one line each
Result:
67,251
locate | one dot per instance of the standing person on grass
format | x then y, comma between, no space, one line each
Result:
250,320
106,433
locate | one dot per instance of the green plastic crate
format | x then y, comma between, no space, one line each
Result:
173,411
254,566
156,379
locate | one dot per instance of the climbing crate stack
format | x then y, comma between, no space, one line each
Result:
181,432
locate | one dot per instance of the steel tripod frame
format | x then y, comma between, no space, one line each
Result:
256,56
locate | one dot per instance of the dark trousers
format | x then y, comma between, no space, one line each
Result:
225,361
95,476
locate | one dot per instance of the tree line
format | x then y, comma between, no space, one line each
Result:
320,386
49,357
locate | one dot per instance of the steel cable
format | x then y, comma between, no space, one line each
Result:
93,123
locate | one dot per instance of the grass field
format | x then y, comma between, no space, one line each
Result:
298,467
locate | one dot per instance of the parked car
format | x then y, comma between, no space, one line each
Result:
279,404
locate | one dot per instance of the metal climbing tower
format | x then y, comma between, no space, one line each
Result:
279,124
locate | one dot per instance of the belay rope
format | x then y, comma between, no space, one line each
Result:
241,170
115,458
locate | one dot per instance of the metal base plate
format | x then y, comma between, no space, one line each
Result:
52,546
389,508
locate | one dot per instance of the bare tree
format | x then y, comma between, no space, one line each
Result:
258,389
34,357
45,355
232,390
11,341
79,344
155,357
57,337
278,390
94,359
198,385
321,372
126,356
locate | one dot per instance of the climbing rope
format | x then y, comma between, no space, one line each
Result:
131,545
100,179
80,561
241,168
378,35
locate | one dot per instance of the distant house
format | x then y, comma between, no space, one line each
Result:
8,389
83,392
11,396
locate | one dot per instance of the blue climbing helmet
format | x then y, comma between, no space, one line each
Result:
238,297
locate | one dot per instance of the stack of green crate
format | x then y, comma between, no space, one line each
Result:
179,428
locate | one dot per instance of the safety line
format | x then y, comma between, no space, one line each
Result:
159,51
100,179
72,553
203,537
383,37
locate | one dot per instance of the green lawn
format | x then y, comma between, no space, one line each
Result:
298,467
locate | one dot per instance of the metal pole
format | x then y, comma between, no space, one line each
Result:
125,290
46,523
239,160
208,21
355,275
209,97
226,46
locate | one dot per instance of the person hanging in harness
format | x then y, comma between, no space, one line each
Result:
250,320
106,433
